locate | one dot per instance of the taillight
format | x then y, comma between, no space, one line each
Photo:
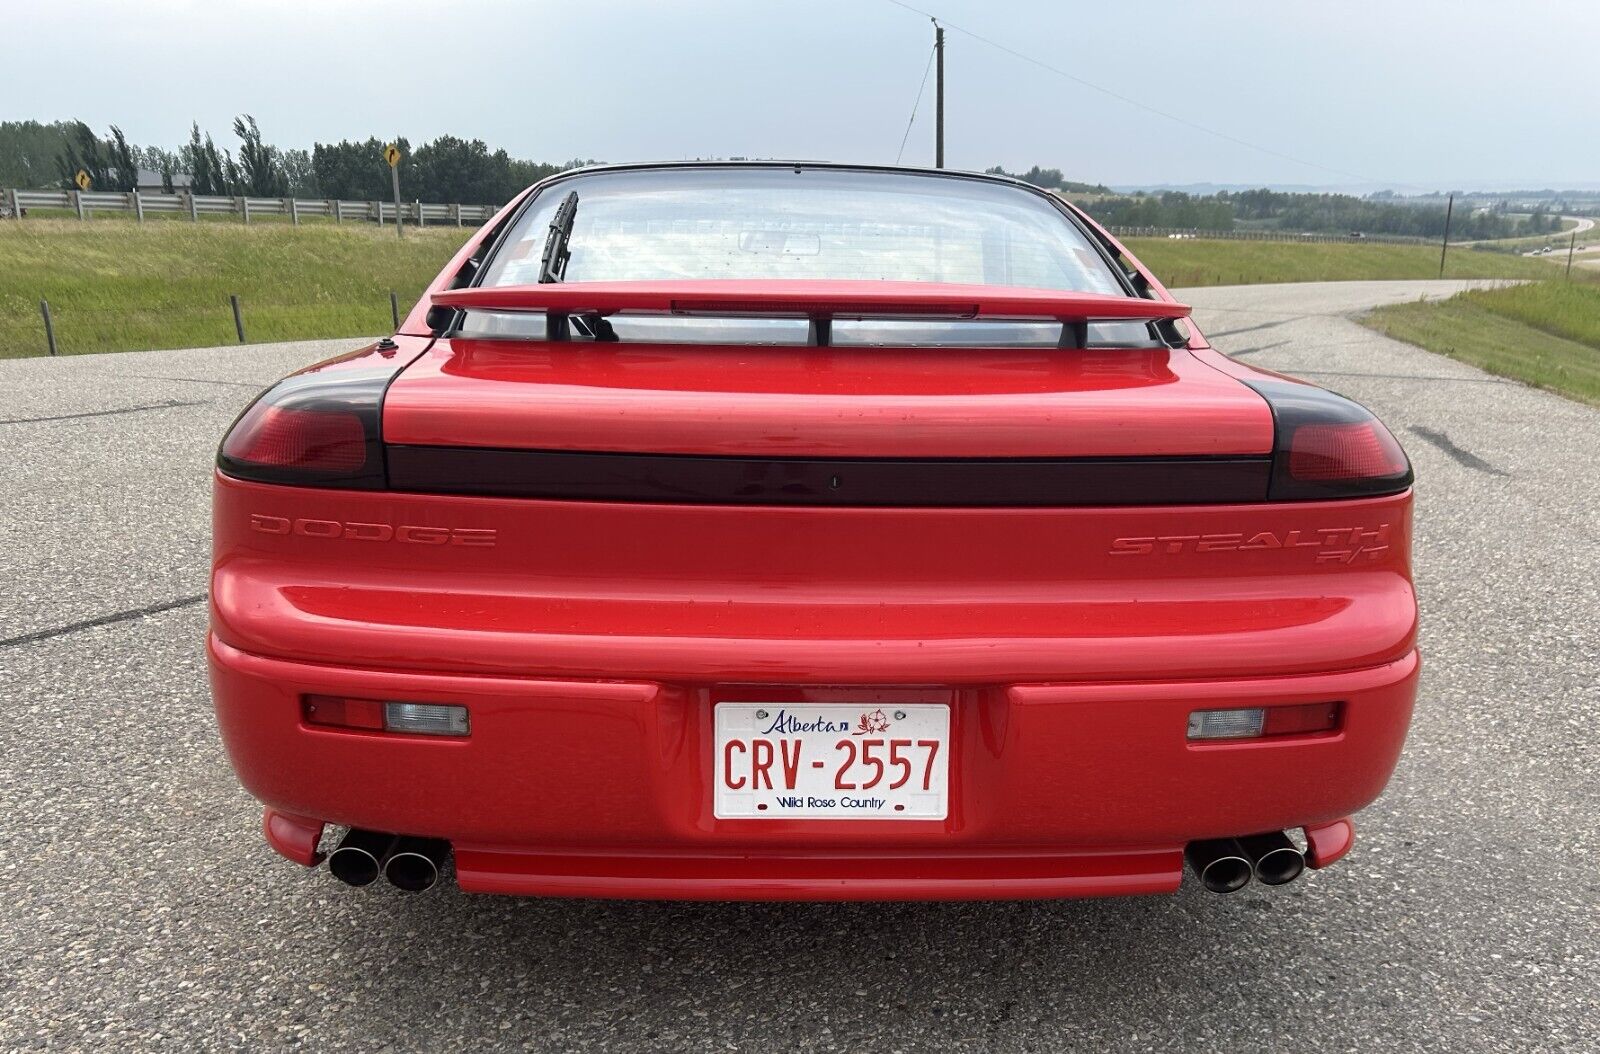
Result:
1328,446
1257,722
1323,453
318,428
377,715
314,440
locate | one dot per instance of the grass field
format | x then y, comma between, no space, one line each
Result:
116,285
1546,334
1198,261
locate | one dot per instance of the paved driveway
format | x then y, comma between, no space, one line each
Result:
141,908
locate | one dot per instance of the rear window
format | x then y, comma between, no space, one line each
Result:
821,223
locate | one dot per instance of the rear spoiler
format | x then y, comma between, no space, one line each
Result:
817,300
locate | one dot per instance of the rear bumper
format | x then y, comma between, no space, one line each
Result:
602,787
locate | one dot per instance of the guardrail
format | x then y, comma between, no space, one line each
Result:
84,203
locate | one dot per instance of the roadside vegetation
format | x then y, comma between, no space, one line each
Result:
116,285
1201,261
1322,213
1546,334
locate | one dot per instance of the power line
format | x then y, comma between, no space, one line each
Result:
905,138
1125,99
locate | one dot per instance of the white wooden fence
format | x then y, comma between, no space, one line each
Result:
84,204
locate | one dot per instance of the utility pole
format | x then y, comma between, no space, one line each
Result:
938,121
1444,246
1573,244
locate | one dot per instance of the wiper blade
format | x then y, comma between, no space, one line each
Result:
553,264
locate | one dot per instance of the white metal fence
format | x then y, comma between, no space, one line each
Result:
139,204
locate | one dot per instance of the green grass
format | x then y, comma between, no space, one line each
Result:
1546,334
1200,261
117,285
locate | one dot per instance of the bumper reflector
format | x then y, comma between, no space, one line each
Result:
1258,721
372,715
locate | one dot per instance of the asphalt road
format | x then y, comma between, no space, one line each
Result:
142,910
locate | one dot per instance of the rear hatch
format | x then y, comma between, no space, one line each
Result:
824,402
918,415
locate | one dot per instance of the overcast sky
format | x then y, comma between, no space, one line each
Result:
1419,93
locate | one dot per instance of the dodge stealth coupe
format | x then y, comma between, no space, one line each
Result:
807,531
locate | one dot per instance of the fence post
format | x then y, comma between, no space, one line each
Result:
138,204
394,309
419,214
194,211
238,320
338,210
294,211
49,329
16,204
244,204
77,202
456,208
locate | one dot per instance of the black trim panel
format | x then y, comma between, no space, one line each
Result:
715,480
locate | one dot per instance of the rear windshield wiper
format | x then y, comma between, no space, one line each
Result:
553,264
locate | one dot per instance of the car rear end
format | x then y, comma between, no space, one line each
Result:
731,556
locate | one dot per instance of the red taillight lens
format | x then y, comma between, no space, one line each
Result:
1300,720
1328,446
338,712
316,428
1328,453
314,440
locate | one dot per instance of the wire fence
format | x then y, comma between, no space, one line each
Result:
235,304
140,203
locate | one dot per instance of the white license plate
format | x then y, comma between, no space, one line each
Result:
832,761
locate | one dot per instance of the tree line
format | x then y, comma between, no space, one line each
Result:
42,155
1316,213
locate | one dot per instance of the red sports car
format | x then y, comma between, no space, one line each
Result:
815,532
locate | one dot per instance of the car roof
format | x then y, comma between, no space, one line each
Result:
796,164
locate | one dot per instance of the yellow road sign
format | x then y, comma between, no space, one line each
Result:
391,154
82,179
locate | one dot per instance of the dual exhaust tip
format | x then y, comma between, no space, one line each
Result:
411,864
1226,865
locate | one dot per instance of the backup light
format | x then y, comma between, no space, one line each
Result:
372,715
1260,721
428,719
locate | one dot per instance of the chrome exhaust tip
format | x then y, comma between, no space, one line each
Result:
361,855
1273,857
415,863
1220,863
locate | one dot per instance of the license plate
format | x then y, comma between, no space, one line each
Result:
832,761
